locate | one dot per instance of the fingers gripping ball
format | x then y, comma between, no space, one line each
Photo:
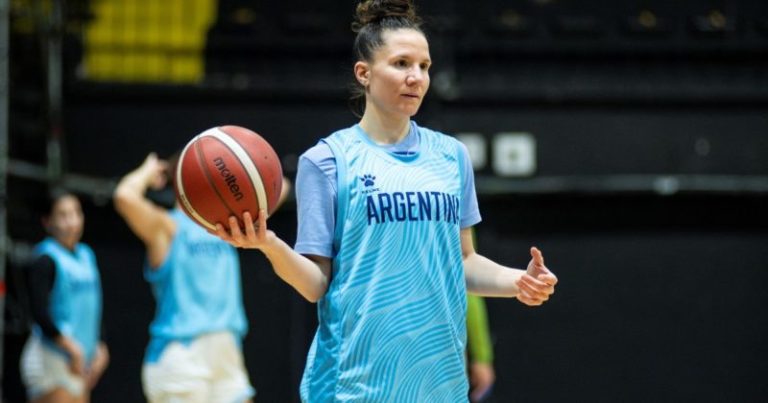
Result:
225,171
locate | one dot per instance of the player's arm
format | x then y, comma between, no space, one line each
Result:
151,223
532,286
40,277
309,275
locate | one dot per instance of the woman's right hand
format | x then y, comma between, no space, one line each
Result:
256,235
155,171
98,365
75,353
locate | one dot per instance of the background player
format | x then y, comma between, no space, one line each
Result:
194,353
64,357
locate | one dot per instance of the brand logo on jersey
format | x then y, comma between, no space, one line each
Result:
207,248
369,184
412,206
367,180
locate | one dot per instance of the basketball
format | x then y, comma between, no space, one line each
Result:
226,171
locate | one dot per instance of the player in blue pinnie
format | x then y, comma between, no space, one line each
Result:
65,355
384,244
194,353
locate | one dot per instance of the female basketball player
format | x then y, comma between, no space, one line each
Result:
194,353
64,356
384,242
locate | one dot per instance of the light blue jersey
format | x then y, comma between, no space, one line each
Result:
197,288
392,322
75,300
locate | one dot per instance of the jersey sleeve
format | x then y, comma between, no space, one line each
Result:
316,201
41,275
470,211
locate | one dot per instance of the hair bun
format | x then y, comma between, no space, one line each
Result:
374,11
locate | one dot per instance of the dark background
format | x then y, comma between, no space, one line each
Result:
648,200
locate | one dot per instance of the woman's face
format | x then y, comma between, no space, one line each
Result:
397,79
66,221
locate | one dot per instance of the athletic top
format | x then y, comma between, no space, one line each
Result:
197,288
74,303
392,322
316,194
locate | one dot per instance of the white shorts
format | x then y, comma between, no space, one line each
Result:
44,369
209,369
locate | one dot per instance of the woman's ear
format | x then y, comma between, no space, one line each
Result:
362,73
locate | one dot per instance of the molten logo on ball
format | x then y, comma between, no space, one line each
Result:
229,179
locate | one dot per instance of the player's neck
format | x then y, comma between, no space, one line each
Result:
385,130
68,243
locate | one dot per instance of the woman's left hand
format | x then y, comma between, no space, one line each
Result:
537,283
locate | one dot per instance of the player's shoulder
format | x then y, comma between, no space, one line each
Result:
40,262
436,135
446,142
317,152
85,247
321,153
